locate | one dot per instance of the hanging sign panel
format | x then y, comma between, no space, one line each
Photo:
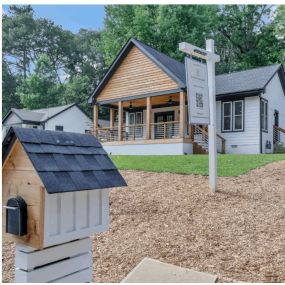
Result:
197,92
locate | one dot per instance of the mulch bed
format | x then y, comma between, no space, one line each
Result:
237,233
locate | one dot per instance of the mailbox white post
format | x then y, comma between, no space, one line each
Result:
207,116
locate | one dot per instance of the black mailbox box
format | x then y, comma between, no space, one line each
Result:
16,216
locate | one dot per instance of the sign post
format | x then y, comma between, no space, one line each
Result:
201,97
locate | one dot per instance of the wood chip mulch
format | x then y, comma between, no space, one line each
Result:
237,233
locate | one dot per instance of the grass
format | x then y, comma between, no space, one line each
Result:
228,165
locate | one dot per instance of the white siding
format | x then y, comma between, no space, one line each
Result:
73,215
150,149
276,101
72,120
248,141
11,120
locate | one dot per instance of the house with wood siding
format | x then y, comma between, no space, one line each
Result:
146,93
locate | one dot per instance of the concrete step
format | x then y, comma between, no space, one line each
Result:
154,271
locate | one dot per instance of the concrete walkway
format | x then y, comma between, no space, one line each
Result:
154,271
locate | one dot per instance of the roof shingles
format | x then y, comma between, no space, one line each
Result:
66,161
231,83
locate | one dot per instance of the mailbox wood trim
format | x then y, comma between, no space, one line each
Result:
20,178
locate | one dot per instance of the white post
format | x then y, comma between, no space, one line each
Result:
212,126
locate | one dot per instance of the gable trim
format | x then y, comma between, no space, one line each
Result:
8,114
281,76
75,104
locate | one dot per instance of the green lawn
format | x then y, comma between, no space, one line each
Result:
228,165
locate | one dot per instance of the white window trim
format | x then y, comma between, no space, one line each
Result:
264,117
234,115
229,116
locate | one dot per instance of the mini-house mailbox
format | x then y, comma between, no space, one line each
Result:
63,178
16,216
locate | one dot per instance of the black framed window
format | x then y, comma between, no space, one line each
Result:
233,116
59,128
227,117
264,115
238,115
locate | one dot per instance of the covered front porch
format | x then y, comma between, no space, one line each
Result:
149,118
150,125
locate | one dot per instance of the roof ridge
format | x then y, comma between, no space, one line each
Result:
156,50
255,68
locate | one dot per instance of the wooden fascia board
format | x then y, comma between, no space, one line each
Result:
128,98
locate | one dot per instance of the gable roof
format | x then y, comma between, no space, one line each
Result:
173,68
64,161
251,80
39,115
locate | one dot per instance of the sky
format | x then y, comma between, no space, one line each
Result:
71,17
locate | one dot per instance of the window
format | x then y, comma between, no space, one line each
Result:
233,116
227,117
136,118
238,115
59,128
264,115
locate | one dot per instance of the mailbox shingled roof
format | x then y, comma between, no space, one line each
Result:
65,161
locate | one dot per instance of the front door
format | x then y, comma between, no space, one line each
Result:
135,122
163,130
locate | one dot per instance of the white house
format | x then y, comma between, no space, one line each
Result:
145,91
69,118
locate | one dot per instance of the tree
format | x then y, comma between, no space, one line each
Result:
41,89
18,38
161,26
67,56
245,36
279,31
9,83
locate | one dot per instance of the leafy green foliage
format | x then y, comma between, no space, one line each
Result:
9,84
228,164
245,35
32,47
48,65
161,26
41,89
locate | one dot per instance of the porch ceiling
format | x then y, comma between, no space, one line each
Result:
139,103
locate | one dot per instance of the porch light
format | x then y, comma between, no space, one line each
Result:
131,106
